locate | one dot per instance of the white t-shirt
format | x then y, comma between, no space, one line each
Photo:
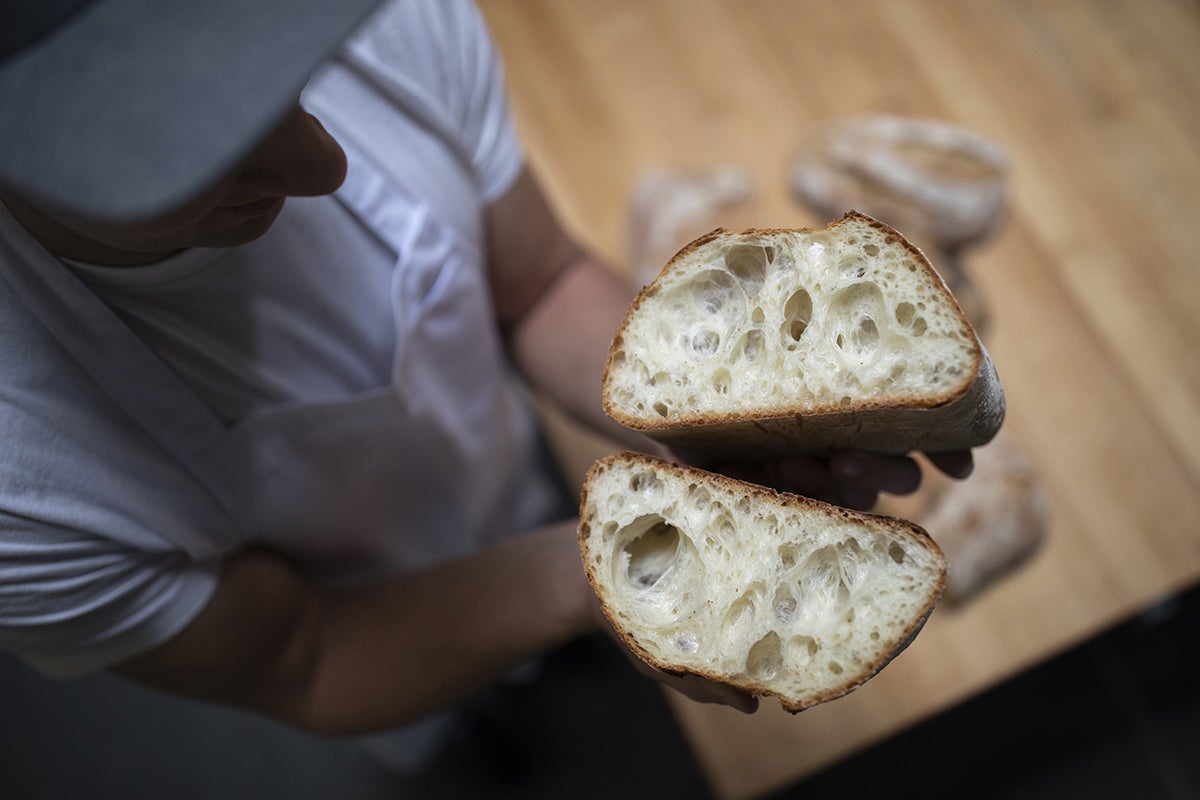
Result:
335,389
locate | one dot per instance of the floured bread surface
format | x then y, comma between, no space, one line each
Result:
775,594
776,323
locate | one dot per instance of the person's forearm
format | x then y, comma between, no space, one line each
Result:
380,655
401,649
561,343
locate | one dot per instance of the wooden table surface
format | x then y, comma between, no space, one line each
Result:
1094,282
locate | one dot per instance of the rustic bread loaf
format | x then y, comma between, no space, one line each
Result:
927,177
986,526
772,593
775,341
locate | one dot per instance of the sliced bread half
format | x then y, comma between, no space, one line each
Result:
772,593
778,341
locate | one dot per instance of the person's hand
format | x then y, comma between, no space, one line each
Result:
848,478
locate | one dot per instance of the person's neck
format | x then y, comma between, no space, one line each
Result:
63,242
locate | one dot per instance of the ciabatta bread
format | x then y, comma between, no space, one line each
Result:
772,593
928,178
778,341
988,525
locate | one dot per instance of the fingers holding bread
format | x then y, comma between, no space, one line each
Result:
849,478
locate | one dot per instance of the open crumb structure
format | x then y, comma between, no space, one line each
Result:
772,593
765,324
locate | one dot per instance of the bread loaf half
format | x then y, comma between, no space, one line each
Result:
777,341
772,593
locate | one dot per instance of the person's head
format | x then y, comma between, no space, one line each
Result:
298,158
142,128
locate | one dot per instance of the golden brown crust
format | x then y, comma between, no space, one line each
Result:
910,531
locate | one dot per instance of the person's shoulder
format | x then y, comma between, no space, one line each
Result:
415,31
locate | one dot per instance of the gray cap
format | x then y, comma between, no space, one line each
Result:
120,109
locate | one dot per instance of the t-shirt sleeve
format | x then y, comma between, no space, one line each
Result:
72,603
441,53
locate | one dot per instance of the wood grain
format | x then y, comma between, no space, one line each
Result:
1094,282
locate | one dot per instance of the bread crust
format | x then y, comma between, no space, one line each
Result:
911,532
970,421
965,414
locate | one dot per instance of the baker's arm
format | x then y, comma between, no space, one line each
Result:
352,661
558,305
